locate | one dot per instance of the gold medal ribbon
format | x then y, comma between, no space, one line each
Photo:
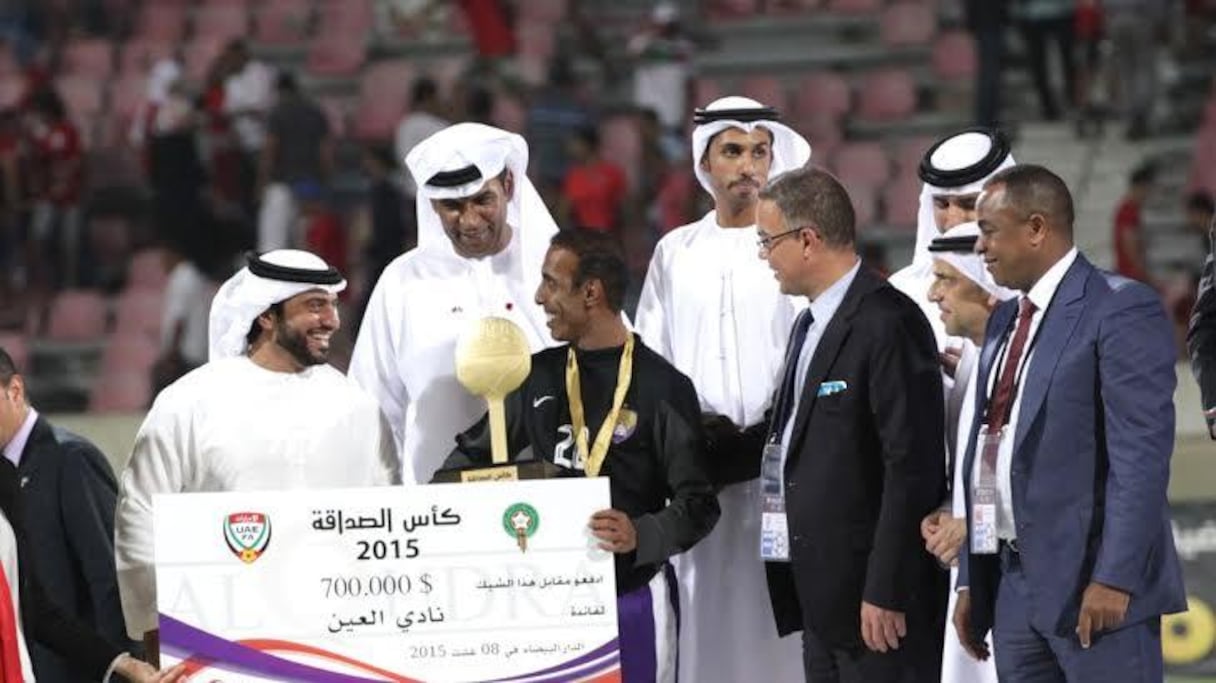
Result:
593,461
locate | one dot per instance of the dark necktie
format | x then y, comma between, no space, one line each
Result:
793,353
1003,395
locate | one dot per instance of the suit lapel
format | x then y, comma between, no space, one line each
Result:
998,328
826,351
40,436
1059,321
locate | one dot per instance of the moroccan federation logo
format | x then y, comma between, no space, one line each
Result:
520,521
247,535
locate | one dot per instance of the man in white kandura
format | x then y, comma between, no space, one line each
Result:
482,236
715,311
265,413
965,294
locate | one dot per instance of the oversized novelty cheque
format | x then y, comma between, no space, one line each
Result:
446,582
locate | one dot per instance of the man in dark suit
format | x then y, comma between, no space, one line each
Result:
68,498
1201,335
70,637
853,454
1071,562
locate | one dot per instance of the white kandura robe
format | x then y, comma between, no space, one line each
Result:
712,307
406,352
957,665
232,425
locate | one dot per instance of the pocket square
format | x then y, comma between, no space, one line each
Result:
833,387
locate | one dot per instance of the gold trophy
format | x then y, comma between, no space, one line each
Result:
492,360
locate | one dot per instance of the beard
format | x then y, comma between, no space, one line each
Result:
295,343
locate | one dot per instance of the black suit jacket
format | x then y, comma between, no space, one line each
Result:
1201,339
42,621
864,467
68,493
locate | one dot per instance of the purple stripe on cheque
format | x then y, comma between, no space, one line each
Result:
184,641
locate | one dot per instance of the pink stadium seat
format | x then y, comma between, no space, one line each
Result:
908,23
121,393
11,90
138,56
162,21
543,10
954,56
387,79
824,92
856,6
127,96
129,354
733,9
825,135
377,119
77,315
138,313
82,96
284,22
350,18
901,202
147,270
221,21
766,90
887,95
338,56
860,164
200,54
15,345
536,38
509,113
706,90
865,206
92,58
908,153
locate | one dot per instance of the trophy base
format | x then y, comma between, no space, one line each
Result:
531,469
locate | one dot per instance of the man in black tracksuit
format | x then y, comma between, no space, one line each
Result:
652,449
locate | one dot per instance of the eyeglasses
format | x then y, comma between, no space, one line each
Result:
766,243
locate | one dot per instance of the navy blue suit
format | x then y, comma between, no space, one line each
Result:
1090,469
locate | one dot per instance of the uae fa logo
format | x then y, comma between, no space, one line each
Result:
520,521
247,535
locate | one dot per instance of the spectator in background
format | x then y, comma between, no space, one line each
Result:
1087,29
394,227
492,27
1199,212
183,341
986,21
249,90
1043,22
175,170
664,56
322,229
13,253
68,493
555,115
223,149
424,120
1130,252
594,190
298,148
1133,26
58,157
1201,335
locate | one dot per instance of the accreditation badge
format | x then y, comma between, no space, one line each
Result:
984,495
774,526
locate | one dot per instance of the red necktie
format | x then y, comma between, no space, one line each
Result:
1002,397
10,652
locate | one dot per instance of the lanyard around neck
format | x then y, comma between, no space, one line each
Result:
594,460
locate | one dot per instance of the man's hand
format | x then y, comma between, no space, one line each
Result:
945,544
932,523
1102,608
950,359
962,626
615,531
142,672
881,628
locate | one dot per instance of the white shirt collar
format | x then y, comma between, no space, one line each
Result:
824,306
1043,290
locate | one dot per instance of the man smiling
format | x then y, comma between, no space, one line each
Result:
482,234
266,413
640,427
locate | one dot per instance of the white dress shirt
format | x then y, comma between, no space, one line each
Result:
1040,295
